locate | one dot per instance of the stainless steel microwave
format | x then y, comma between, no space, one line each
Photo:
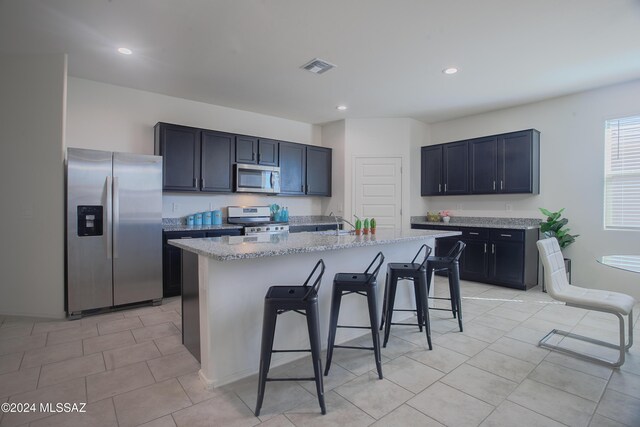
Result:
257,179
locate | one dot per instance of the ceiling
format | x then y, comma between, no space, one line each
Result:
389,54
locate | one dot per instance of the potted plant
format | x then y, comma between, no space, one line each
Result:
358,226
554,226
373,226
446,216
365,226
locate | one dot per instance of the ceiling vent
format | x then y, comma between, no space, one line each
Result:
318,66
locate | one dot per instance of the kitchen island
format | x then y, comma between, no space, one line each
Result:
226,278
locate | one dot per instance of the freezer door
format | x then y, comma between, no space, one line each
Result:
89,264
137,228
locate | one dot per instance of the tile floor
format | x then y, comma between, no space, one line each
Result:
131,369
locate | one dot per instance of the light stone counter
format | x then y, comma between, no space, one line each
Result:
225,280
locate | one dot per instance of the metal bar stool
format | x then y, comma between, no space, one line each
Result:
417,273
364,284
302,300
451,263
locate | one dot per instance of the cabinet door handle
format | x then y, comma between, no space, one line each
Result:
445,187
308,188
195,182
494,184
493,248
485,248
501,186
506,235
439,188
202,183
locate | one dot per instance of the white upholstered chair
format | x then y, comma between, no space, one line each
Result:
559,289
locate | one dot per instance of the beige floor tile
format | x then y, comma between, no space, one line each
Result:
173,365
279,421
509,313
72,334
502,365
440,358
460,343
99,414
111,383
171,344
58,372
496,322
508,414
99,318
52,353
160,317
413,335
153,332
340,412
227,410
406,416
42,327
19,344
166,421
131,354
632,359
590,368
303,368
625,382
482,332
196,390
556,404
108,342
519,350
374,396
599,421
137,312
279,397
356,361
73,391
410,374
118,325
450,406
10,362
395,346
19,381
571,381
151,402
13,330
528,335
620,407
480,384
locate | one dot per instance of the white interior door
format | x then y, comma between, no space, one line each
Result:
378,190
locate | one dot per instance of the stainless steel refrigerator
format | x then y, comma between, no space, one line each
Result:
114,229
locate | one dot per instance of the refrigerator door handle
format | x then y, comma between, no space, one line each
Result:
116,215
109,215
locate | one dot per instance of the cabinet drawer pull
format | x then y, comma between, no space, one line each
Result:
506,235
474,234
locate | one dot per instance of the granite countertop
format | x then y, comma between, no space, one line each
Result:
483,222
246,247
184,227
313,220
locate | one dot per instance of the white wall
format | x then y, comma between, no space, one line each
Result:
572,171
107,117
32,109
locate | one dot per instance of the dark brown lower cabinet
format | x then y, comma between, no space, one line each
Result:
505,257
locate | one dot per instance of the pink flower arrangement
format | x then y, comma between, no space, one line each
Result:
444,213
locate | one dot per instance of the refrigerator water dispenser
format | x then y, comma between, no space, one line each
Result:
89,221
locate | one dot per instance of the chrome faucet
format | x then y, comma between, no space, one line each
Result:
338,225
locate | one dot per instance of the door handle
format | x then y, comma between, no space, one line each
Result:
439,188
109,215
272,177
445,187
485,248
116,215
501,186
493,248
494,184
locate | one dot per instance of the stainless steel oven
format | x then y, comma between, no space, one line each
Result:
257,179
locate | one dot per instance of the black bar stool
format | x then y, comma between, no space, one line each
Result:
364,284
451,263
302,300
417,273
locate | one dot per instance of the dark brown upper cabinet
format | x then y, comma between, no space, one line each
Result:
179,147
216,168
318,171
505,163
256,151
293,161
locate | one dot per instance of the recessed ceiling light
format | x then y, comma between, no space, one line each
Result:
341,107
450,70
125,51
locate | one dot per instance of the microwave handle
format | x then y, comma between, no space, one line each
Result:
273,174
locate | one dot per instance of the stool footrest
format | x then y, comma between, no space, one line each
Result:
407,324
353,327
353,347
354,292
404,309
291,379
290,351
441,309
448,299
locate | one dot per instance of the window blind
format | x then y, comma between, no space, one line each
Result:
622,173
